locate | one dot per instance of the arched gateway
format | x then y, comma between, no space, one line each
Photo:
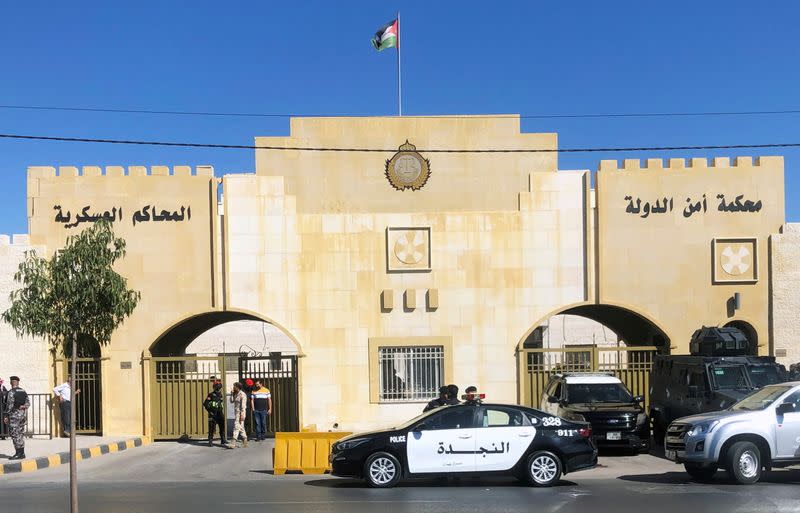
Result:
630,359
179,381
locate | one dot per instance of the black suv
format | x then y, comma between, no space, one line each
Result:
617,417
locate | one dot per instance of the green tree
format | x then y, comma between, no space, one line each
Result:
74,299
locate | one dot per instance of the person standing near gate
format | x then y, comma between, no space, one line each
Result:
64,394
16,416
261,403
239,401
3,393
215,406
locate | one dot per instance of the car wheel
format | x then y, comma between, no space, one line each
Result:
744,462
544,468
701,473
382,470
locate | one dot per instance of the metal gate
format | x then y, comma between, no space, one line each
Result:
88,416
178,387
630,364
279,375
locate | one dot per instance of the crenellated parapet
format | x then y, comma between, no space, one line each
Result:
679,164
113,171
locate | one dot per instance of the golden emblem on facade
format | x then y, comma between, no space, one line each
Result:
407,169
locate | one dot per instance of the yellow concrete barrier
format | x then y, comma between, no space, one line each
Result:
306,452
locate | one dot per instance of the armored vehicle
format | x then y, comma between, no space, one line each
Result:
711,380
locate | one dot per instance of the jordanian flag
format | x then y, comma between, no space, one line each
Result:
386,36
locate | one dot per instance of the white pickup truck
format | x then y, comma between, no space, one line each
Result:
760,432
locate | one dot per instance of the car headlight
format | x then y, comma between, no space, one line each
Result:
702,428
641,419
349,444
577,417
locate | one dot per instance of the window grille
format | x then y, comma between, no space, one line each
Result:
410,374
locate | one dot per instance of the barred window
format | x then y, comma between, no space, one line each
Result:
410,374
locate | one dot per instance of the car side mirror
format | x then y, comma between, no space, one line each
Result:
785,408
693,392
638,399
553,400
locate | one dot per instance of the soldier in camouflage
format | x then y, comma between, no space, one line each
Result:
16,416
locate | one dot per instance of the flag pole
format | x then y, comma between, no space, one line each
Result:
399,80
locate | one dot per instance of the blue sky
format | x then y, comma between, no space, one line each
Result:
458,58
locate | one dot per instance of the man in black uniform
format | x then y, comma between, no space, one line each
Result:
452,394
215,406
439,401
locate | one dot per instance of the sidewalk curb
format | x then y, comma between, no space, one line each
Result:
61,458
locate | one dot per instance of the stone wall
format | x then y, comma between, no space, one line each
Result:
786,293
25,357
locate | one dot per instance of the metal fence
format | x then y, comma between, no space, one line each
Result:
630,364
40,417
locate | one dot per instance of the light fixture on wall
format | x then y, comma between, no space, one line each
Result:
737,301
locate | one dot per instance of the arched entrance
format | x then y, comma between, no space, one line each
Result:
749,333
228,346
605,338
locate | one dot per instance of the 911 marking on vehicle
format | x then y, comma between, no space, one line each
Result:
551,421
397,439
567,432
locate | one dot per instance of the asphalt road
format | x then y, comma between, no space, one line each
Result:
171,477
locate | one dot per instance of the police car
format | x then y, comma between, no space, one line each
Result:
469,438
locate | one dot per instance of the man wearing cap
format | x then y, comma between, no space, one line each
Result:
439,401
215,406
16,416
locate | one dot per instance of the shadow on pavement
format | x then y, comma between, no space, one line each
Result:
344,483
665,478
270,472
721,478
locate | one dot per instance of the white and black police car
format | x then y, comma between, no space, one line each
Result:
469,438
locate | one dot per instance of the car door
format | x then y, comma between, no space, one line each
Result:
787,429
445,442
502,437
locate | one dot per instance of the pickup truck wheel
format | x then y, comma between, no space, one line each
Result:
701,473
744,462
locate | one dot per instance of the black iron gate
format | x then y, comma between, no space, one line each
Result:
87,402
279,374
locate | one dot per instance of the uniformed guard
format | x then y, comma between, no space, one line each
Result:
16,416
452,394
215,406
439,401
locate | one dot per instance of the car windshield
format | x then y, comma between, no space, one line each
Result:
730,377
761,399
763,375
598,393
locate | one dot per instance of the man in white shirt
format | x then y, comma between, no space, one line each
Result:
63,393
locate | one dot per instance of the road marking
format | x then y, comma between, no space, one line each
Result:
329,502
